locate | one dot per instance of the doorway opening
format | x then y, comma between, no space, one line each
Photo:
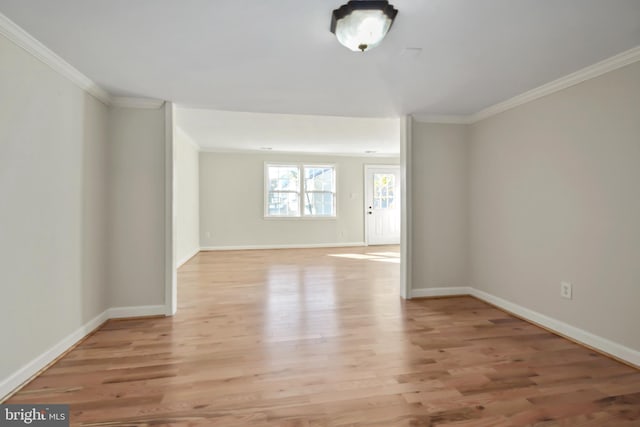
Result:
383,197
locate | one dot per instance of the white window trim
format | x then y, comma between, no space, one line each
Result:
302,216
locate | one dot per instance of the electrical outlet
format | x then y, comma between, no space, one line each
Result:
565,290
208,234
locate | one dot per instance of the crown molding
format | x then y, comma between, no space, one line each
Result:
26,41
441,119
132,102
610,64
20,37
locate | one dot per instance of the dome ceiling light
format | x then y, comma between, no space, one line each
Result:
361,24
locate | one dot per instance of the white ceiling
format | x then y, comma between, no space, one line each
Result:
279,56
237,131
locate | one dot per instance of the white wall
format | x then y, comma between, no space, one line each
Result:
137,207
555,195
439,189
53,219
232,202
187,197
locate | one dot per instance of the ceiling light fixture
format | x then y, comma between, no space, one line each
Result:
362,24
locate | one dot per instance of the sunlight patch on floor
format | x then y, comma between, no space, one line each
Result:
353,256
392,260
392,257
385,254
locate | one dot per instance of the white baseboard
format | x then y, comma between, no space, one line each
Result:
137,311
440,292
618,350
187,258
602,344
15,380
23,374
287,246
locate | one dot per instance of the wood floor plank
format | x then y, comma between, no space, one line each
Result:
320,337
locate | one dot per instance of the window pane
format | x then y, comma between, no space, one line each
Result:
383,190
319,187
320,178
284,178
319,204
283,204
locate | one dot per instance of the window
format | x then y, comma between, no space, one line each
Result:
300,191
383,190
283,198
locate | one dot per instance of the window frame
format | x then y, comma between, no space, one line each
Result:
301,191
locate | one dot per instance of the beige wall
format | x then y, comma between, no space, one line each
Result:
53,219
555,195
439,196
137,207
187,197
232,202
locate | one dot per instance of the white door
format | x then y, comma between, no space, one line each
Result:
382,204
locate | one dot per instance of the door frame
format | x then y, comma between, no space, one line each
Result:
367,167
170,220
406,207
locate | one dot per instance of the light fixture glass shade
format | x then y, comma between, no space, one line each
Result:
361,25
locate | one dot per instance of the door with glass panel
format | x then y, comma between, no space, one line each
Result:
382,204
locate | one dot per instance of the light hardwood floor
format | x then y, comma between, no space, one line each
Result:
319,337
